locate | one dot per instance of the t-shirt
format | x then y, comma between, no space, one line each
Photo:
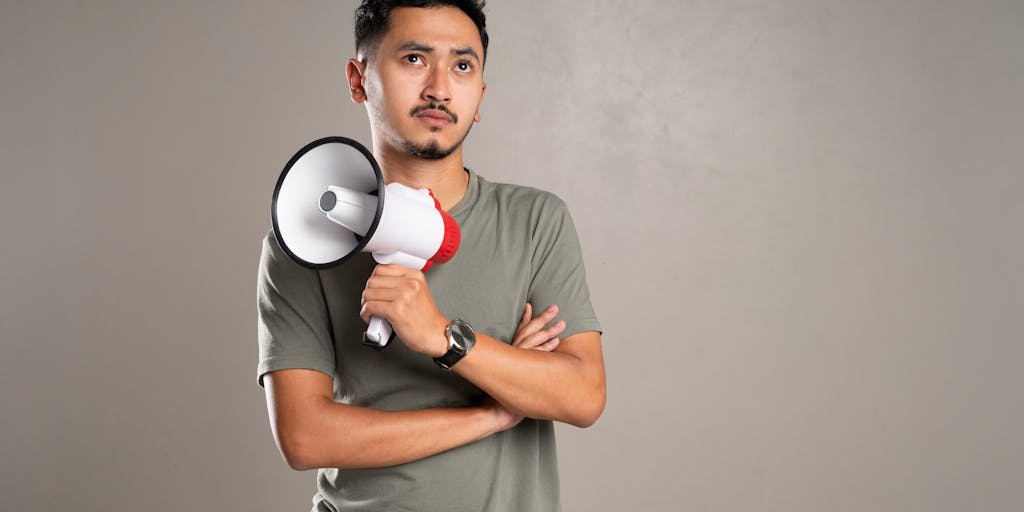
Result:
518,244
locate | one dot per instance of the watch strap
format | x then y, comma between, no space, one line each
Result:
449,358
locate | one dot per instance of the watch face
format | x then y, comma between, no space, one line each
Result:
462,334
460,339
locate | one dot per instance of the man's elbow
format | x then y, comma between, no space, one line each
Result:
297,449
296,402
587,404
299,463
589,410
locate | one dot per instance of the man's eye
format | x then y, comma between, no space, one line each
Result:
413,59
464,66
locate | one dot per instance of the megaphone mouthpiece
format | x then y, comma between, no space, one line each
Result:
450,242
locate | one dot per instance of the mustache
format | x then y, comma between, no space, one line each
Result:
435,106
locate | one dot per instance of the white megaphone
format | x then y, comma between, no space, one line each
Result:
331,202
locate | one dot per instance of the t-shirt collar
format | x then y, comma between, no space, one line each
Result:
462,208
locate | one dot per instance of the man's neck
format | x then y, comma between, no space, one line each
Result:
446,177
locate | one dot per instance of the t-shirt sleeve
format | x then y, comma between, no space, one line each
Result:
559,276
294,326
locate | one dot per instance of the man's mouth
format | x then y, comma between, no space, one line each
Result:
438,113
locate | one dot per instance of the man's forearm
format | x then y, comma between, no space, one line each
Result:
313,431
344,436
566,385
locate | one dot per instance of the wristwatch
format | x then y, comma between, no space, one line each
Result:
461,339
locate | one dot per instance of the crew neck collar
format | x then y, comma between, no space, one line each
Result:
469,198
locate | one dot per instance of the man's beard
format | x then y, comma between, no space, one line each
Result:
431,150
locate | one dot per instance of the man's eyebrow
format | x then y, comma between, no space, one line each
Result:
466,51
414,46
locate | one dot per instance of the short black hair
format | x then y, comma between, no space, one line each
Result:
372,19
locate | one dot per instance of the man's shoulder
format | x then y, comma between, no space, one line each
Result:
270,247
520,197
272,251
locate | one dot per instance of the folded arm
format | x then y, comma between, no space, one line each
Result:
314,431
566,384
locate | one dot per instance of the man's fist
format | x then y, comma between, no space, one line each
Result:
402,297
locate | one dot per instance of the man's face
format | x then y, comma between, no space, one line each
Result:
424,83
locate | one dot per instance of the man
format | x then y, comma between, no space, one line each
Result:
396,430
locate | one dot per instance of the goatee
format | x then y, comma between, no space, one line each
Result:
429,151
432,150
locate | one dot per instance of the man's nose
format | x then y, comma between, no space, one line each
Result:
436,89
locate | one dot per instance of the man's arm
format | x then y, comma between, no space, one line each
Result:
566,384
313,431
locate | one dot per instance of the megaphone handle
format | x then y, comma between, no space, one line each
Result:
378,334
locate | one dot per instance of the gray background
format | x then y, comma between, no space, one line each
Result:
801,220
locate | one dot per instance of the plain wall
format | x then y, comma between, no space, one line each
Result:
801,222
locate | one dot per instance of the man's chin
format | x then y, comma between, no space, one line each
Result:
430,150
430,146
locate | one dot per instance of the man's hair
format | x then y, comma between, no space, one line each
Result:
372,19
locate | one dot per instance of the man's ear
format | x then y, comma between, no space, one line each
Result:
354,71
482,92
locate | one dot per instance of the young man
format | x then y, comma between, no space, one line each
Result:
436,421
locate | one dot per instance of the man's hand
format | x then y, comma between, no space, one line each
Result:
531,332
503,419
401,296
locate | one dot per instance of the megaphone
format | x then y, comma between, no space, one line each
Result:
331,202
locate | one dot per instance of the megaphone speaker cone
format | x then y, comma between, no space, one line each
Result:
307,235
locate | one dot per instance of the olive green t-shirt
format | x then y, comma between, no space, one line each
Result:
518,244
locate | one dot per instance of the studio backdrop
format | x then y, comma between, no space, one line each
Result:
801,222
